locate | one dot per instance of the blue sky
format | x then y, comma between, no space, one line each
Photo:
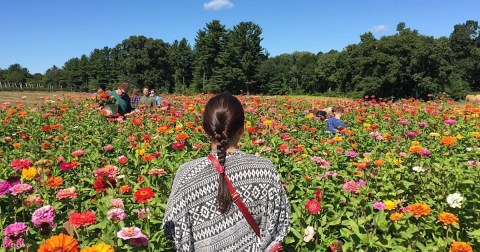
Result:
40,34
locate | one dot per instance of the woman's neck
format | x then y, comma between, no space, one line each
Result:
230,149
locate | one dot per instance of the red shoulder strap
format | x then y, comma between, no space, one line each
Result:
235,196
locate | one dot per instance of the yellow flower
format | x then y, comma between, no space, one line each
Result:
475,134
29,174
101,247
367,125
309,116
338,138
304,155
415,143
267,122
179,127
170,131
248,123
390,205
140,152
475,115
459,136
434,134
446,133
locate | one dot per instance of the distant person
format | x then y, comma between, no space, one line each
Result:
145,99
335,122
122,100
135,99
155,97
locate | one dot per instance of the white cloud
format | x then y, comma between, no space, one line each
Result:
218,5
379,29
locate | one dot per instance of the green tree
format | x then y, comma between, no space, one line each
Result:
15,73
183,63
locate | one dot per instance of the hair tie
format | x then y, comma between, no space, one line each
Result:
217,136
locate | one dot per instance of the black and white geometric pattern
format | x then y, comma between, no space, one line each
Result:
192,208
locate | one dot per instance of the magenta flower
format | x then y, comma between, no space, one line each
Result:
15,230
379,205
116,215
422,124
403,122
128,233
20,189
425,153
411,134
140,241
7,184
450,121
43,215
352,154
13,243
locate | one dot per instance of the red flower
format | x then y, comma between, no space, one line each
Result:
143,195
122,159
19,164
103,183
313,206
82,219
137,121
66,166
318,195
251,129
178,146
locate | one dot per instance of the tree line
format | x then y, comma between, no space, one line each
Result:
405,64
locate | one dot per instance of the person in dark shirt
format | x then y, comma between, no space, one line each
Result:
335,122
122,100
135,99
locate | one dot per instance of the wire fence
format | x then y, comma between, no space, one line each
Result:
14,86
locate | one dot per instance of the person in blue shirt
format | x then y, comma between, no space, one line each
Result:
335,122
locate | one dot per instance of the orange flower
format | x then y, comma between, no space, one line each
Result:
379,162
419,209
148,157
417,149
459,246
54,182
61,242
190,124
124,189
16,145
396,216
448,141
163,128
447,218
182,137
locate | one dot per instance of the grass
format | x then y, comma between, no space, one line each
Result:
32,98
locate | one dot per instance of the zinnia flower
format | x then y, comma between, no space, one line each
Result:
61,242
117,203
157,172
140,241
455,200
447,218
108,147
110,171
20,189
103,183
396,216
122,159
419,209
390,205
128,233
448,141
15,230
143,195
308,234
116,215
101,247
78,153
18,164
54,182
459,246
379,205
82,219
43,215
67,193
313,206
419,169
29,173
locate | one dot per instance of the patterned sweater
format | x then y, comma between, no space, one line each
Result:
194,222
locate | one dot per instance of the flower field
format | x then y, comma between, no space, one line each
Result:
402,176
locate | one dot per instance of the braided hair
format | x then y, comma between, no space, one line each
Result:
223,119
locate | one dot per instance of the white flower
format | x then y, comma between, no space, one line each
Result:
469,148
309,232
419,169
455,200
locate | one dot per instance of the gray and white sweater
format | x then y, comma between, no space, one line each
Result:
192,218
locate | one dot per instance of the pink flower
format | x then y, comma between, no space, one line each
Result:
403,122
110,171
122,159
157,172
78,153
379,205
20,188
15,230
450,121
351,186
128,233
422,124
19,164
13,243
313,206
178,146
117,203
352,154
116,215
142,213
67,193
43,215
108,147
